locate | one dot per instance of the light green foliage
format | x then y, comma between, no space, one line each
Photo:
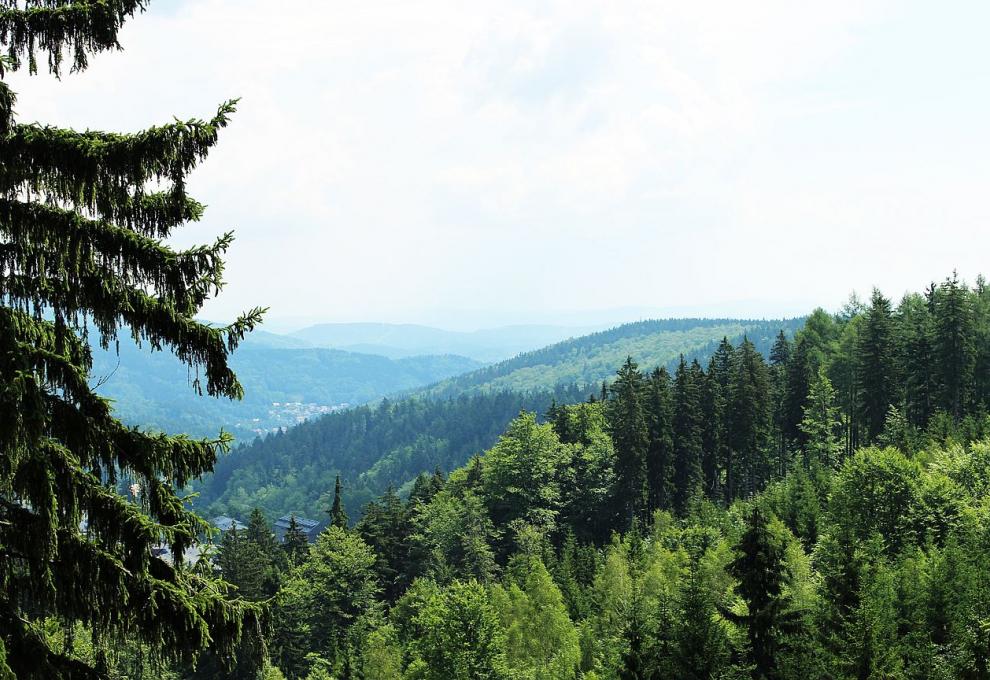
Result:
381,655
541,640
881,491
462,637
325,595
456,535
821,423
520,474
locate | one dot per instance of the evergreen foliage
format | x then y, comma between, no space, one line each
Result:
83,258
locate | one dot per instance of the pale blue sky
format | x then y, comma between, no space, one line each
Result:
461,163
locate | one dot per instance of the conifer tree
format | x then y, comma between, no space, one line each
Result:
715,393
242,565
821,423
338,517
799,374
385,527
660,450
875,365
749,420
627,418
780,355
916,355
954,351
260,535
82,255
761,573
687,436
294,543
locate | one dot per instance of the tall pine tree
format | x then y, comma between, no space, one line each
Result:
688,475
627,418
660,454
82,255
338,516
875,365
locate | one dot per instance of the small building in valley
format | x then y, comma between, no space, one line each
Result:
310,527
225,524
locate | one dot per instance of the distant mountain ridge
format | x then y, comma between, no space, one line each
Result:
284,384
401,340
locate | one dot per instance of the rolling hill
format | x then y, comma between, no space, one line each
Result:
284,385
446,423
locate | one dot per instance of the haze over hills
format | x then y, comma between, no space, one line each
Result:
444,424
285,382
403,340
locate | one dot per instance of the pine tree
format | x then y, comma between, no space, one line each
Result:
916,355
83,254
821,423
799,374
260,535
749,421
338,517
386,528
761,573
627,420
294,543
875,365
242,564
717,459
955,355
688,475
780,355
660,450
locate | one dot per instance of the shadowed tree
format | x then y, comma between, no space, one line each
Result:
83,218
338,517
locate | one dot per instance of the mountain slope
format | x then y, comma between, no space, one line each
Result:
445,424
283,386
592,358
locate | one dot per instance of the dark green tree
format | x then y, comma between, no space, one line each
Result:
385,526
627,420
338,517
799,375
83,256
749,421
701,642
761,573
955,355
660,450
688,475
242,565
916,355
294,543
875,365
780,355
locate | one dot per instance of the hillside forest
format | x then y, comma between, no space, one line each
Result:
818,514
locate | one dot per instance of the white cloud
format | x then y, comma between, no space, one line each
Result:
391,158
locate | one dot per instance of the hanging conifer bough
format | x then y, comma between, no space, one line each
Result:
82,218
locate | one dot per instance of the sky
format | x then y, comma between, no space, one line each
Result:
471,164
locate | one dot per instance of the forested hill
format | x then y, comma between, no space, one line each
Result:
372,447
588,360
283,385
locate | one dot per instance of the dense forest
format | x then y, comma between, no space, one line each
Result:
821,514
444,425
